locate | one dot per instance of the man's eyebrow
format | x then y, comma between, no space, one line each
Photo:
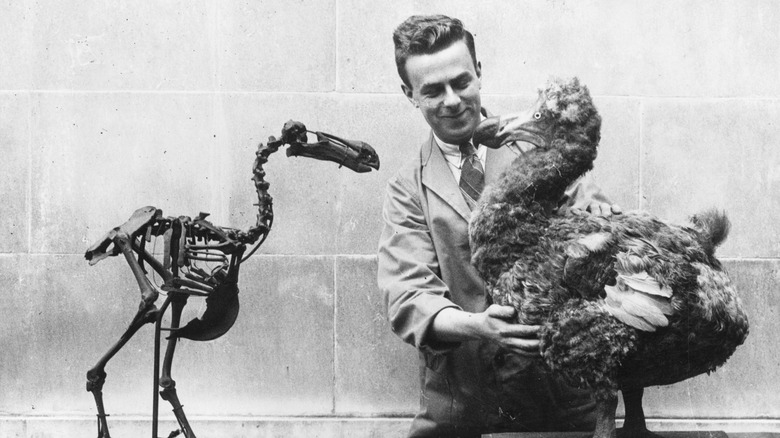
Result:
430,86
462,76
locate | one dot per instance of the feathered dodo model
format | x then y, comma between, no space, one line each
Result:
624,302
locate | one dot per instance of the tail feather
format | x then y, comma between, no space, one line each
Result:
713,227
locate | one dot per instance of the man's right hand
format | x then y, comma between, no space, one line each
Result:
454,325
519,338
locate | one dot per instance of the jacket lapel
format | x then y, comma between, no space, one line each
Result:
437,177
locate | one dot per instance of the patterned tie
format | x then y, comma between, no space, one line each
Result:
472,177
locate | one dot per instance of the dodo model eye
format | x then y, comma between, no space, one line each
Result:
537,115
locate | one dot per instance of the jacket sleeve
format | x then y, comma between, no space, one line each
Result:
408,269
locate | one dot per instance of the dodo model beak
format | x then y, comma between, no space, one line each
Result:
353,154
527,126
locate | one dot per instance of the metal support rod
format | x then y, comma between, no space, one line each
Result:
156,377
168,385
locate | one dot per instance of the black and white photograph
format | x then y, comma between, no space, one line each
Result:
402,219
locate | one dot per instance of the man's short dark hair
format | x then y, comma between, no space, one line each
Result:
427,34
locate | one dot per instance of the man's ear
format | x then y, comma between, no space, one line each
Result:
408,93
478,70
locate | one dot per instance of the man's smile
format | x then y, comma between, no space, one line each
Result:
456,115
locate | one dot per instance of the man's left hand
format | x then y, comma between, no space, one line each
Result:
599,209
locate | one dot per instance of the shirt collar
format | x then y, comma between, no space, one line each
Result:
452,151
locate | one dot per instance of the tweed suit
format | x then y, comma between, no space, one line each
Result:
424,267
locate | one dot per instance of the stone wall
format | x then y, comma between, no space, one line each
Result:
109,106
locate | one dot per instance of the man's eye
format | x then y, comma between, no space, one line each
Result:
463,84
431,93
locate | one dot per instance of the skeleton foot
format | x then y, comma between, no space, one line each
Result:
168,393
95,380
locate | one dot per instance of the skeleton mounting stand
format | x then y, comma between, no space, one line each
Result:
200,259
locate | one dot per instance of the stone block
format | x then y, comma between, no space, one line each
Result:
16,49
275,46
616,169
59,318
715,154
99,46
99,157
15,150
12,428
278,357
365,57
376,373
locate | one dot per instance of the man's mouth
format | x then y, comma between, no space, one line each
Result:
456,115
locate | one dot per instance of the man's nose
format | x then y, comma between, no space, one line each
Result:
451,98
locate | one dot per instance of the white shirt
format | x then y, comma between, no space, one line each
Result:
454,157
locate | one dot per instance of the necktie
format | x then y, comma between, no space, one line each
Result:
472,177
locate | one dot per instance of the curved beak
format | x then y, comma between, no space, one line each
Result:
352,154
497,131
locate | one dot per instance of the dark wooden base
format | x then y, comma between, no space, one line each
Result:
670,434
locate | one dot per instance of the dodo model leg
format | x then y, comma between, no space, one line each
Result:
605,416
634,425
575,335
147,313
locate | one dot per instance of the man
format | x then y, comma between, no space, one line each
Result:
479,371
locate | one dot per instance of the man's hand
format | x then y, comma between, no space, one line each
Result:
599,209
455,325
519,338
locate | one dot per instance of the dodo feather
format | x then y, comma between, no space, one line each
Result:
624,302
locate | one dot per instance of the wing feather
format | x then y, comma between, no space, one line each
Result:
635,306
643,282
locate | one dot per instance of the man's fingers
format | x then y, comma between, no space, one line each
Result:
521,331
501,312
526,347
604,209
598,208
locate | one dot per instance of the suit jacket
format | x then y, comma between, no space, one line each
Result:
424,267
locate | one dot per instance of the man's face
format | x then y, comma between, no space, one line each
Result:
446,86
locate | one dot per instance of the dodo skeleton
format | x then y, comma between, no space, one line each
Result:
200,259
624,302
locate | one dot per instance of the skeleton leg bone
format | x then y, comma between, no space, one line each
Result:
147,313
168,385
